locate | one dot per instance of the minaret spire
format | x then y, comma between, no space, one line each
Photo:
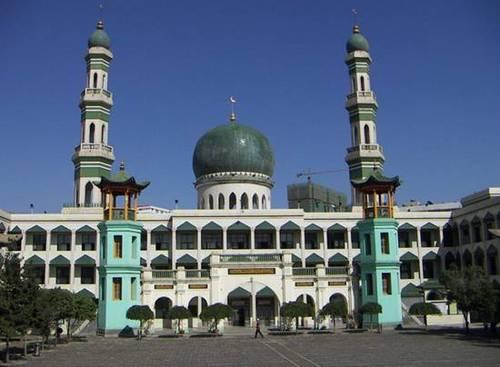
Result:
365,155
93,157
232,116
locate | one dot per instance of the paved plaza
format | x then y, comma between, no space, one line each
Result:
392,348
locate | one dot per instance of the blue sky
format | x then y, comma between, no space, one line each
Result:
176,62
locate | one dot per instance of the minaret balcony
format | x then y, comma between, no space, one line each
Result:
96,95
361,97
365,150
93,149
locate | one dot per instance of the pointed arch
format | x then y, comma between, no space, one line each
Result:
467,258
355,136
232,201
367,134
91,133
255,202
244,201
103,131
264,202
89,188
94,82
210,201
362,82
221,201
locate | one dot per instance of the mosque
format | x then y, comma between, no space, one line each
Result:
235,247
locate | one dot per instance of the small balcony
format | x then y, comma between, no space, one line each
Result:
360,97
92,149
365,151
96,95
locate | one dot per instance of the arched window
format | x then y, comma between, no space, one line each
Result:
91,133
221,201
367,134
83,132
353,86
88,193
104,81
244,201
355,133
94,85
264,202
232,201
362,81
210,201
103,131
255,202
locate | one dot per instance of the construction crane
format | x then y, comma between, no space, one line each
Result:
310,173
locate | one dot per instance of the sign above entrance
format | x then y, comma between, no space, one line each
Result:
304,284
198,286
164,286
246,271
337,283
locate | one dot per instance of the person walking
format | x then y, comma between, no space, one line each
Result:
257,329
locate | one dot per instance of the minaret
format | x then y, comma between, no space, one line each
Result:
365,155
93,157
379,257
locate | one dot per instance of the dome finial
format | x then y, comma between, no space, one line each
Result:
232,116
355,28
122,166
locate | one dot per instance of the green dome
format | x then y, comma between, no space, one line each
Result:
233,148
99,38
357,42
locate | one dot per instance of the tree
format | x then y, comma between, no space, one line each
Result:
84,308
178,313
18,292
294,310
141,313
214,313
54,306
337,308
424,309
371,308
467,287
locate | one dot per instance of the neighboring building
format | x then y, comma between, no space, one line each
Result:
233,247
313,197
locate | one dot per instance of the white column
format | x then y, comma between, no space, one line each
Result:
254,304
23,242
172,250
199,306
148,245
440,240
325,245
252,239
420,262
349,244
72,261
277,239
47,258
224,239
198,247
302,244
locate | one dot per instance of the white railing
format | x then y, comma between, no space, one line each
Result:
250,258
362,94
365,147
95,91
94,147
